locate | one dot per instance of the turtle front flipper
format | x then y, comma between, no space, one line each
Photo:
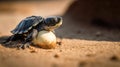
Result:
26,43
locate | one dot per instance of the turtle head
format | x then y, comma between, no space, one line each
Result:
53,22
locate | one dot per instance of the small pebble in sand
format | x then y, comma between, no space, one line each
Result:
114,58
60,50
33,51
59,43
56,56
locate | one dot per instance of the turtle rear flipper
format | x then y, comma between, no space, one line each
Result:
14,38
29,39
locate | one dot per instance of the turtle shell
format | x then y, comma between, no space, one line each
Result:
27,24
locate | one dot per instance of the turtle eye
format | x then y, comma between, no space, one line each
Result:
57,19
50,22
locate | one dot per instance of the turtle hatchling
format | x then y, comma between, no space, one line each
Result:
36,30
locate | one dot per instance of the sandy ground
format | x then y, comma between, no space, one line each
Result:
82,44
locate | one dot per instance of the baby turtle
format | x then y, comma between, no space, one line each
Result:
29,27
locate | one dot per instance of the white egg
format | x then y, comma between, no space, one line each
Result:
45,39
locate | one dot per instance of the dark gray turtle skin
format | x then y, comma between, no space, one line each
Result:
29,27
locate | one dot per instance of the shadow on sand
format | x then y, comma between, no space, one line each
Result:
86,21
17,43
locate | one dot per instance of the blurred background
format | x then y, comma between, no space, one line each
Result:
90,34
82,18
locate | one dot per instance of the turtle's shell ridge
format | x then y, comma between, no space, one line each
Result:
27,24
